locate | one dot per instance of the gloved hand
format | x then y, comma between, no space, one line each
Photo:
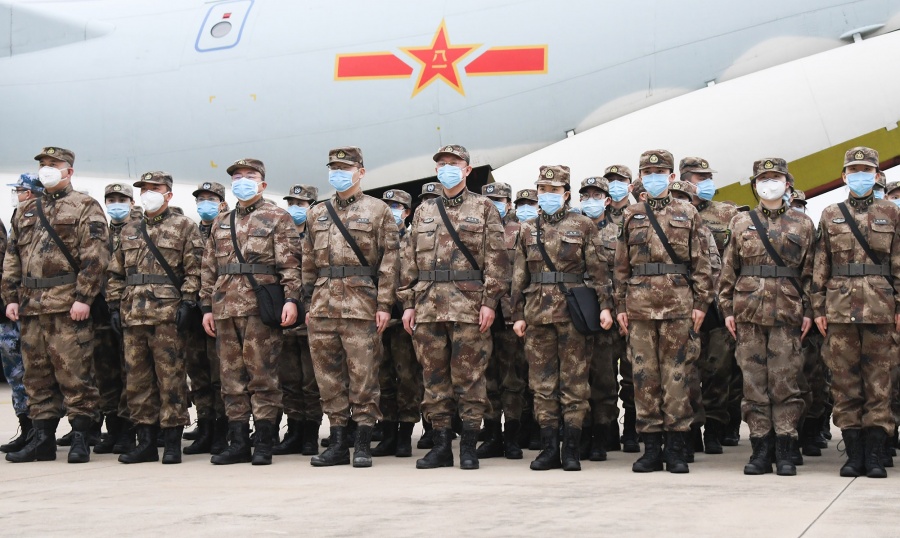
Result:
115,321
183,315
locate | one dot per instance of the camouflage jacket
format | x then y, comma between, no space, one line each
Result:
371,224
608,232
717,217
430,248
115,229
574,246
667,296
267,236
857,299
79,221
773,300
511,232
178,240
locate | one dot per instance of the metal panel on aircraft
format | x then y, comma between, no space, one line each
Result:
223,25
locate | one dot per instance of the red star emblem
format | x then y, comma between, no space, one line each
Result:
439,60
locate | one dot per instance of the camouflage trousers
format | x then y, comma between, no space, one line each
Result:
506,376
558,368
345,355
155,381
663,356
57,353
454,357
862,359
607,349
400,377
299,389
626,383
202,366
771,361
813,381
13,369
248,354
717,349
109,372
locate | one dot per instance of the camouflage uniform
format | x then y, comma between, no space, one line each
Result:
11,354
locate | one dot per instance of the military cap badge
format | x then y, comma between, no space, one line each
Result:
769,165
613,169
429,188
447,148
207,185
117,187
51,151
389,194
242,162
341,155
676,185
654,159
297,190
148,176
489,189
704,164
591,181
859,155
549,174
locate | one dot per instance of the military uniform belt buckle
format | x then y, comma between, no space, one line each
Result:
652,268
442,276
768,271
856,269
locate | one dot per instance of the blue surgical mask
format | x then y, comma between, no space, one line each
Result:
879,194
655,184
449,176
501,207
550,202
207,209
398,216
786,198
341,180
526,212
896,201
860,182
244,189
593,208
297,213
618,190
117,212
706,189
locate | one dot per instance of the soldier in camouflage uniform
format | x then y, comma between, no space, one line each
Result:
52,300
892,194
856,302
662,328
248,349
295,367
149,308
450,302
767,309
350,304
557,354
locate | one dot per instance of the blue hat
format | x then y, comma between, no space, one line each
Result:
28,181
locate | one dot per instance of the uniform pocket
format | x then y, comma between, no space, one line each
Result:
571,247
425,238
472,235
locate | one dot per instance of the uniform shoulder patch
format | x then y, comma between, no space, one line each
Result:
838,221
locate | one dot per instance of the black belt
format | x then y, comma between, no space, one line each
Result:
770,271
860,269
138,279
52,282
447,276
650,269
246,269
341,271
551,277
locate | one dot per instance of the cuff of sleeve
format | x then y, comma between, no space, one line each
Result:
206,309
620,307
83,299
701,306
490,303
384,308
292,300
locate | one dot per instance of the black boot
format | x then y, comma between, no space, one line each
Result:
17,444
388,444
404,440
874,445
113,432
65,440
80,450
731,435
468,454
693,441
784,456
613,443
712,431
267,433
172,450
337,452
41,445
629,433
362,448
856,459
888,451
146,449
378,432
426,440
598,442
534,441
549,458
190,435
826,429
809,434
760,460
511,448
571,452
126,441
492,447
796,456
219,436
441,455
293,439
676,447
239,448
652,459
310,446
203,440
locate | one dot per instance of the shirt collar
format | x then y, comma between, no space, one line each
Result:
152,221
861,204
59,194
344,204
456,200
556,217
773,213
251,208
658,204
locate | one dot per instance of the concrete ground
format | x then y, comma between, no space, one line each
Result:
503,498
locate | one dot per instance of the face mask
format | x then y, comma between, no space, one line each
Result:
800,209
449,176
501,207
770,189
14,201
618,190
859,182
152,201
207,209
244,189
550,202
118,212
655,184
896,201
526,212
398,216
706,189
786,197
297,213
879,195
50,176
593,208
341,180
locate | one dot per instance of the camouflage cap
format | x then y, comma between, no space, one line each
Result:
155,178
396,195
252,164
790,180
302,192
351,155
555,176
497,190
697,165
657,158
119,188
891,187
637,189
799,197
60,154
685,187
177,210
773,164
596,182
881,179
431,189
526,194
452,149
617,170
210,186
29,182
861,155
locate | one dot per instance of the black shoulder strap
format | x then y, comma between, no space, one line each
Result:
858,235
237,249
547,261
455,236
662,236
54,236
346,234
763,234
177,282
